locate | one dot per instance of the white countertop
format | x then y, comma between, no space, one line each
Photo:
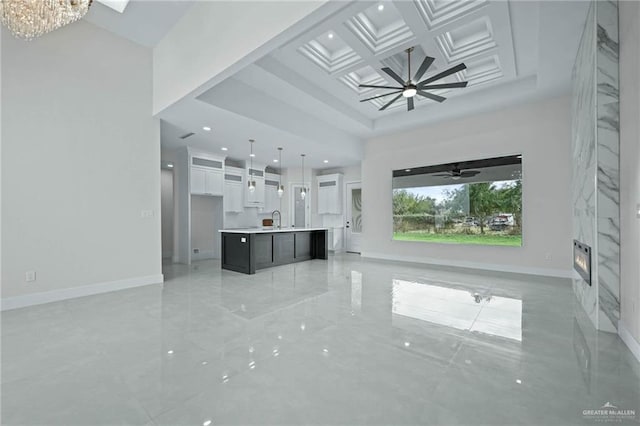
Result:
267,229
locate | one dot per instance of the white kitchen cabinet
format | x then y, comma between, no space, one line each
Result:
233,192
271,198
198,180
330,194
207,176
255,198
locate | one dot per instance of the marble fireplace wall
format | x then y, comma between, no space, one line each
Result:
596,174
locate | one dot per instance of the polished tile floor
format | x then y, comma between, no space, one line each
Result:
345,341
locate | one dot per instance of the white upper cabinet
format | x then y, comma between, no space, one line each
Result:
207,175
330,194
233,190
255,198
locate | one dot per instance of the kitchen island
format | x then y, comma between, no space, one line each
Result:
247,250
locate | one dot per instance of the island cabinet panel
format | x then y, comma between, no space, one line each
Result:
283,248
248,251
264,250
236,253
303,245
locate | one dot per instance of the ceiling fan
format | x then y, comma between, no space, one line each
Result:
409,89
456,173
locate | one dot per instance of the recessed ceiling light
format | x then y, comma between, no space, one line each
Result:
381,7
206,423
275,160
330,35
252,155
325,161
206,128
224,148
170,165
170,352
407,170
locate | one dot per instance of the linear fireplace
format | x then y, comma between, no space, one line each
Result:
582,260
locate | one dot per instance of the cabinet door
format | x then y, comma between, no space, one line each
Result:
214,181
233,197
198,179
333,200
283,247
256,198
325,194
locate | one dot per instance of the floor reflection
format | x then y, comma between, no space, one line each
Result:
348,341
460,309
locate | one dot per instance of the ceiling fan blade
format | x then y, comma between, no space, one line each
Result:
443,74
423,67
431,96
390,102
393,75
443,175
381,96
379,87
469,173
445,86
409,104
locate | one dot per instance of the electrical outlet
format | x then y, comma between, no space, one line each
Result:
548,256
30,276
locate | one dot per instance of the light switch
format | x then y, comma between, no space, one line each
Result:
243,239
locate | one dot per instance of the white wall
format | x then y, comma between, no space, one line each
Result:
214,36
206,220
81,155
630,171
540,131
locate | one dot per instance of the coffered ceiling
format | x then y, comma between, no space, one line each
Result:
350,49
514,51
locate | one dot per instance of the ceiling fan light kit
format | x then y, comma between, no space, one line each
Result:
409,89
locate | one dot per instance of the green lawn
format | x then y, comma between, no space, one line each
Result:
487,239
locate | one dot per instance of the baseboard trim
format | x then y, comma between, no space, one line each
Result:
628,340
204,255
546,272
74,292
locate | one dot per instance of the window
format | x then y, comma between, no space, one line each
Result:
469,202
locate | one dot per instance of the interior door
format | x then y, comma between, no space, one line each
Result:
353,227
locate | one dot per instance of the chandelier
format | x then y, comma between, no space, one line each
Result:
28,19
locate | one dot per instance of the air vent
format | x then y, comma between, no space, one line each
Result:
187,135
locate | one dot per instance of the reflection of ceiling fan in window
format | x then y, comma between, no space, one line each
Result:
409,89
456,173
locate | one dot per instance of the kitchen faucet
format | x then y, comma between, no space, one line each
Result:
279,218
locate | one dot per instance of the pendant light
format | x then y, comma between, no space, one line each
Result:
280,186
303,190
252,183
